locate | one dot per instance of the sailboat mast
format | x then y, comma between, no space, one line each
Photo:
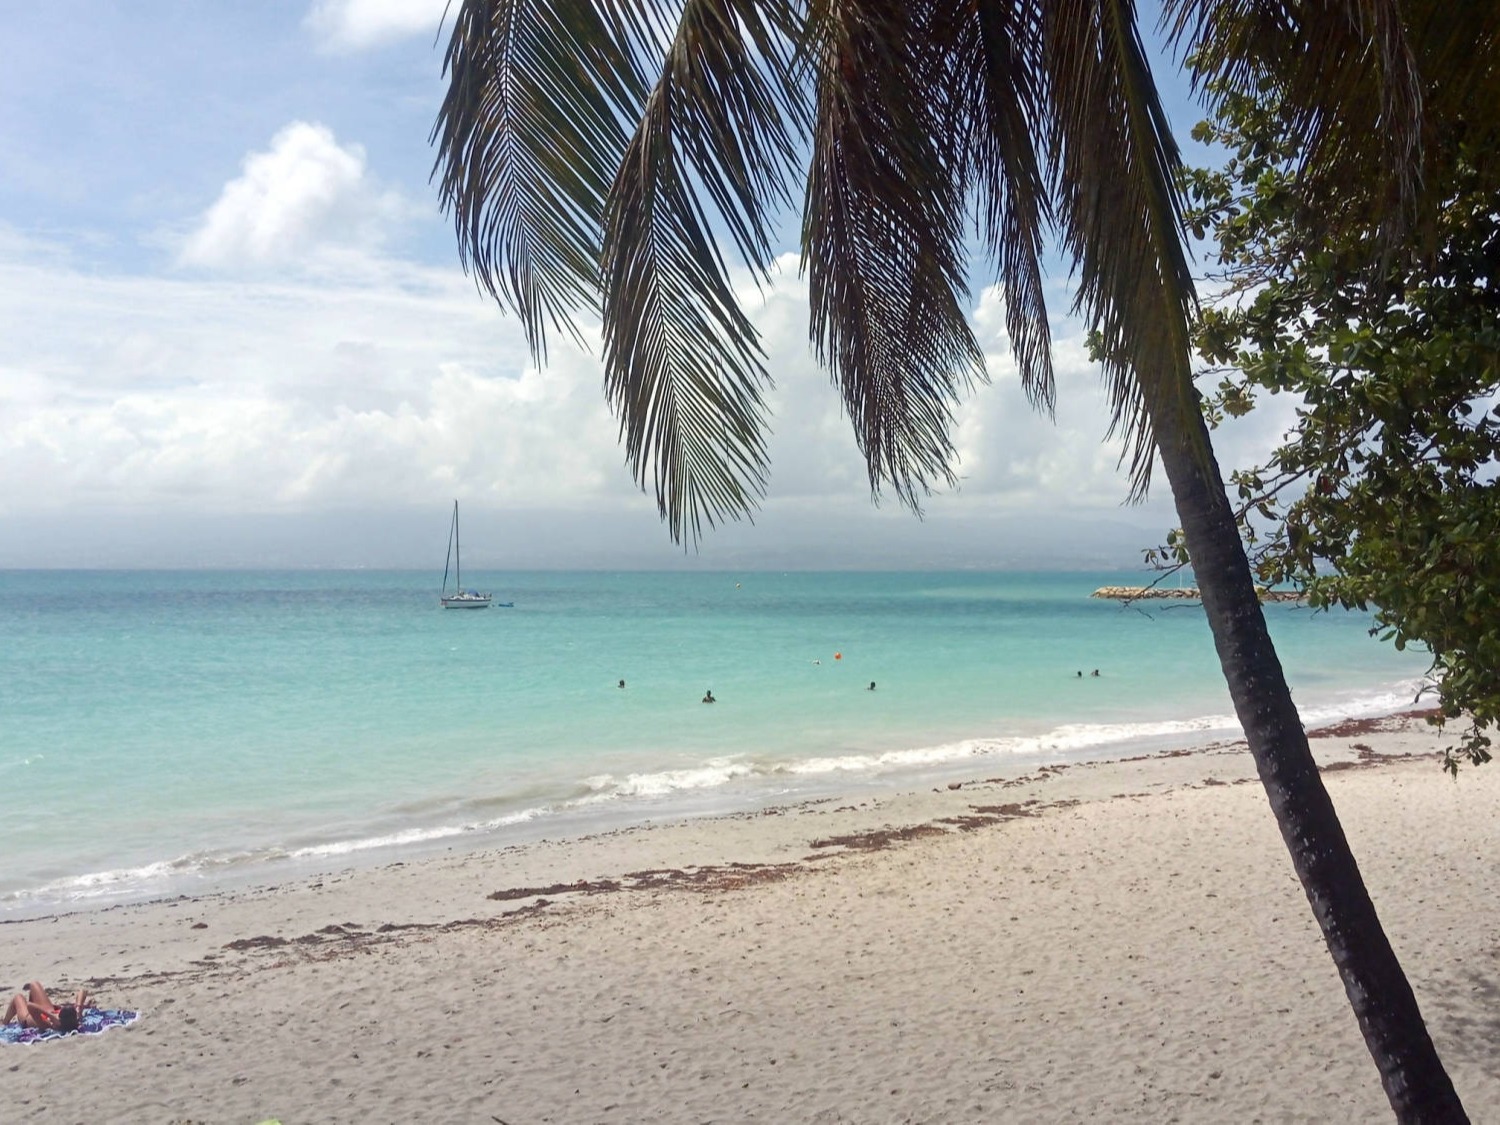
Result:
448,559
458,555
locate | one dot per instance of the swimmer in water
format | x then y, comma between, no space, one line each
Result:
708,696
871,687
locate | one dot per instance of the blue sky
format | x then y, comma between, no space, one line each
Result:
228,299
124,119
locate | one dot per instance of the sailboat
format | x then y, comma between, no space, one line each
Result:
460,598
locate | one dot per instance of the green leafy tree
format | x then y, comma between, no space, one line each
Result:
1385,493
589,151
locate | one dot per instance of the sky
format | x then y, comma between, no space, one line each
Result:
234,331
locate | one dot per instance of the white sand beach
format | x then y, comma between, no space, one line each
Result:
1119,941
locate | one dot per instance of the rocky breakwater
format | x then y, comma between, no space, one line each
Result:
1179,593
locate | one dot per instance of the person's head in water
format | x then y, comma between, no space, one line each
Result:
622,683
1079,673
708,696
1095,672
871,687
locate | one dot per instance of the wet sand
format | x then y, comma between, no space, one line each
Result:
1121,941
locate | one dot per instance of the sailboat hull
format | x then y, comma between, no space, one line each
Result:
466,601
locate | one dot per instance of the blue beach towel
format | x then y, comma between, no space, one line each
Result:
91,1022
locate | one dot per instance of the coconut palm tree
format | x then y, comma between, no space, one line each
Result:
599,157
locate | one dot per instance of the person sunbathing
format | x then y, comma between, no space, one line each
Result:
32,1007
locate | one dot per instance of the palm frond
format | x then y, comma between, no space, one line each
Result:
683,365
1349,82
882,237
744,112
1378,95
1458,46
1114,163
995,47
529,138
1459,49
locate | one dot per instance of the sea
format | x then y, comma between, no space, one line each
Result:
166,733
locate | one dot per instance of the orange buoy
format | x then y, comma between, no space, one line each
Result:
838,656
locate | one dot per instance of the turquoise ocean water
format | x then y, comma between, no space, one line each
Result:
170,732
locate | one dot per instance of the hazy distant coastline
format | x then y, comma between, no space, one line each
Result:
628,539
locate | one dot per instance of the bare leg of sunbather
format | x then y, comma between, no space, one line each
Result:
38,994
22,1011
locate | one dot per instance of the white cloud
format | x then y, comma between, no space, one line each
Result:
395,386
148,394
304,196
358,25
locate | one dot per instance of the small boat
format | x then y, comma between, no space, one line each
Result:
460,598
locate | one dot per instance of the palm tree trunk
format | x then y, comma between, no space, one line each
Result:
1415,1081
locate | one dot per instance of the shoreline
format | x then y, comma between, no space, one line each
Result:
737,784
925,810
361,726
1120,939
